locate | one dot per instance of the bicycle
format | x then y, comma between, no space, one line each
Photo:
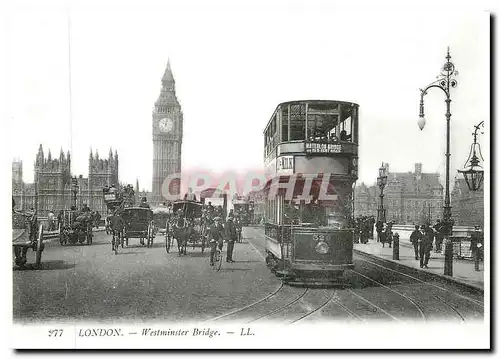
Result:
217,258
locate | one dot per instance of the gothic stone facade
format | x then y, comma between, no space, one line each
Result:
53,185
167,135
412,197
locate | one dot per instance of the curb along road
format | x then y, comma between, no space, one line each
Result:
405,268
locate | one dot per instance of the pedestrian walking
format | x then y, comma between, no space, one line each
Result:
415,239
231,236
379,226
476,246
215,238
425,246
439,237
51,219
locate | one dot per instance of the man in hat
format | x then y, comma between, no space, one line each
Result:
439,237
190,196
476,246
231,236
425,246
415,239
215,238
144,203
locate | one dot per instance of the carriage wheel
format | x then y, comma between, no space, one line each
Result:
150,236
39,247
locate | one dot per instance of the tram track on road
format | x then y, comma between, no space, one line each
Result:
461,306
409,299
251,305
426,307
281,308
330,298
476,302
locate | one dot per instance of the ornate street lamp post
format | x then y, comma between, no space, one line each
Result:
444,83
381,183
74,187
474,173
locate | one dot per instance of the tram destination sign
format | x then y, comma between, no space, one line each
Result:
312,147
285,165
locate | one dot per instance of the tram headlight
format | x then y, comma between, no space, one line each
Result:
322,248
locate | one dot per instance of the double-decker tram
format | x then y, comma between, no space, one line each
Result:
311,158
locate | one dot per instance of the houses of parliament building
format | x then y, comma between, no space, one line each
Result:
54,188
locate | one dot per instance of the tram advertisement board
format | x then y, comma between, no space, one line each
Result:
312,147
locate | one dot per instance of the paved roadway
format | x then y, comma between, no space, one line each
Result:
148,284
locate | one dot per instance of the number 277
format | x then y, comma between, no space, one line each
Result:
56,332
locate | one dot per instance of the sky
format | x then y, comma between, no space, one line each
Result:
233,63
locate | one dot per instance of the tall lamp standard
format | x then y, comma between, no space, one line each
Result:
444,83
381,183
474,173
74,188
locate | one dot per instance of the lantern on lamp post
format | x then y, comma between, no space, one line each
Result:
474,173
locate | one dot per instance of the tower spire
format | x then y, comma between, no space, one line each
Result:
168,77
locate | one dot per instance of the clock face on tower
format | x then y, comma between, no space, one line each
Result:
166,124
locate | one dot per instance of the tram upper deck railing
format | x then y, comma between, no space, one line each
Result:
313,127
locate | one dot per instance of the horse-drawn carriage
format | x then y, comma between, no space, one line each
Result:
138,223
27,233
187,226
76,228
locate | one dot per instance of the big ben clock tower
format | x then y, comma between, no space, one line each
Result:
167,134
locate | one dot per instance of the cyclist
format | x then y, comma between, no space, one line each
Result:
215,238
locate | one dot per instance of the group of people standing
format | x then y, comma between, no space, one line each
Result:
422,239
364,228
219,232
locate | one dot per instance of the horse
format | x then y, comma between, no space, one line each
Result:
96,219
183,230
116,226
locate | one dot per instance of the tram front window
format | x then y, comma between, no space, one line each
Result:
314,214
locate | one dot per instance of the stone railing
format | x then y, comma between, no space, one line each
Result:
405,230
